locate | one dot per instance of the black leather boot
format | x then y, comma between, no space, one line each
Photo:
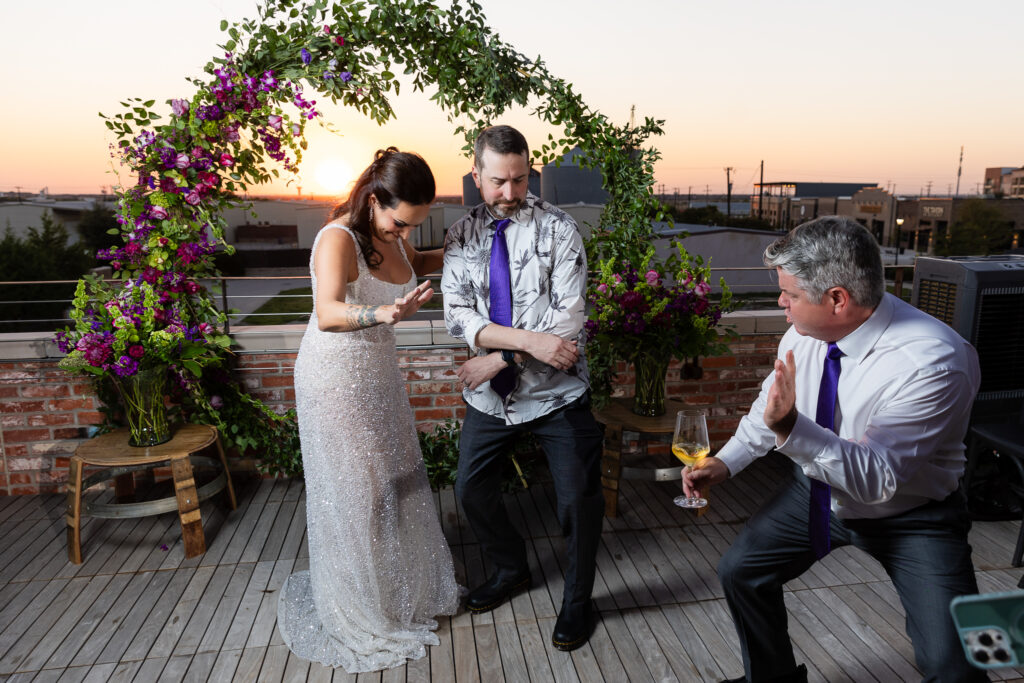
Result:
496,590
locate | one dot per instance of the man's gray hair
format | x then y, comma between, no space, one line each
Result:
831,251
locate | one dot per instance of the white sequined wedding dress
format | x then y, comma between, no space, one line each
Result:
379,566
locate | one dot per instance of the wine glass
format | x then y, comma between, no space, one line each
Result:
690,444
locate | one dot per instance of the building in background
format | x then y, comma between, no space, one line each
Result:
566,181
994,180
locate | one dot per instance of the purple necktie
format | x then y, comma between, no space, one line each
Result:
501,301
821,493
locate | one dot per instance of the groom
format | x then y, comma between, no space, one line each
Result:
514,289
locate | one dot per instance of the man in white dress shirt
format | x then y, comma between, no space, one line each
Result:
906,383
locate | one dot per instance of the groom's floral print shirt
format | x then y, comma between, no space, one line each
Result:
549,280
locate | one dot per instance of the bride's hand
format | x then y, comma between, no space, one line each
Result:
410,303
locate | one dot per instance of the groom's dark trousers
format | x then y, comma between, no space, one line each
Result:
572,441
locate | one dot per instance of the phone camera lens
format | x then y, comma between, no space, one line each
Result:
981,656
1001,655
985,639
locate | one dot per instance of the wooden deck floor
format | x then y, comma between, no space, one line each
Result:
136,610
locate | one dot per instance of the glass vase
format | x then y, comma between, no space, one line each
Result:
649,387
142,396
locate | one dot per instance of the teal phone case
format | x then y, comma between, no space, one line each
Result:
991,627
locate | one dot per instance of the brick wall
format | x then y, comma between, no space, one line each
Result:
45,413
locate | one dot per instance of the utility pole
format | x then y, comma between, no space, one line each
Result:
929,188
728,191
959,168
689,195
760,193
18,188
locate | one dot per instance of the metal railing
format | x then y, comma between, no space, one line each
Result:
237,294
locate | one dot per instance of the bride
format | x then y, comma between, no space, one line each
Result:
379,566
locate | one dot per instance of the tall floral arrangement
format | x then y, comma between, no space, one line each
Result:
651,311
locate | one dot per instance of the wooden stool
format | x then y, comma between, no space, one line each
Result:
111,450
618,418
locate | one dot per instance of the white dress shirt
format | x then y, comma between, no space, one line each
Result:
905,393
548,265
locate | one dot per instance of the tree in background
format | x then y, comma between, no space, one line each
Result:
43,255
980,228
99,229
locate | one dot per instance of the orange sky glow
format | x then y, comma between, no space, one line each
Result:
878,91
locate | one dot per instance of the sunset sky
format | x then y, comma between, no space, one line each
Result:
884,92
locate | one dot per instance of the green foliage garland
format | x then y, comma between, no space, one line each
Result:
247,117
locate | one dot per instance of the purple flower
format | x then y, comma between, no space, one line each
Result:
652,277
63,340
345,76
268,80
210,112
179,107
192,198
306,57
96,354
216,402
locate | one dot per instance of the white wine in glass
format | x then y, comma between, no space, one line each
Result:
690,444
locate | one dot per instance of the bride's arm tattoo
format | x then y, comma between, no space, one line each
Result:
360,317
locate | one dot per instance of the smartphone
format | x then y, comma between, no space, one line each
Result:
991,627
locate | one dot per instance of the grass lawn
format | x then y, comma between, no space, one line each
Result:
289,306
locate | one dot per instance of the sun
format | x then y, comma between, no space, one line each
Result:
334,175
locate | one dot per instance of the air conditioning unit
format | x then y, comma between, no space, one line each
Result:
982,298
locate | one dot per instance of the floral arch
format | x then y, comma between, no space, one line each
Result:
245,124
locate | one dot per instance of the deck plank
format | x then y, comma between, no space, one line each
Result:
136,611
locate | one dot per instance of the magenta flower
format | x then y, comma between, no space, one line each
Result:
157,213
216,402
274,121
327,29
181,161
227,160
136,351
603,288
179,107
652,277
193,198
338,40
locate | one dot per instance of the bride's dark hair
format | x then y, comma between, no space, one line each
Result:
393,177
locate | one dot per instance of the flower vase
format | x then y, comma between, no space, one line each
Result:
649,387
142,396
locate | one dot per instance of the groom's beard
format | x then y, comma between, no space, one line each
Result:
503,209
